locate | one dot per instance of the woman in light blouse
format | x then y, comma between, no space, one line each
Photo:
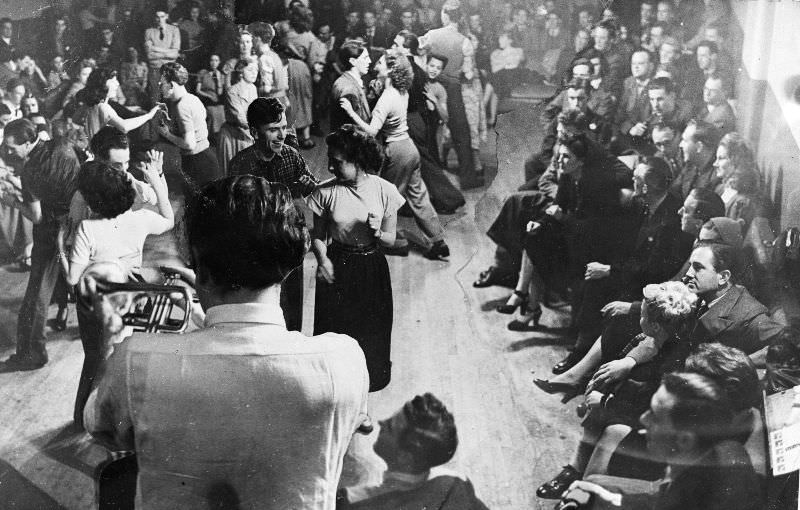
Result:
235,133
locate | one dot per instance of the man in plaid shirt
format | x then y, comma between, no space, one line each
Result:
274,156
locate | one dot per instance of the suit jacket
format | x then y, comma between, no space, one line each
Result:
722,116
618,70
738,320
695,176
439,493
659,249
633,108
723,479
346,87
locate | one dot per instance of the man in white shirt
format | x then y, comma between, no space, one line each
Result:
241,410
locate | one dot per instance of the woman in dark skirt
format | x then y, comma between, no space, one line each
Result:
354,215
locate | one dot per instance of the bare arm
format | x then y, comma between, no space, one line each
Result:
128,125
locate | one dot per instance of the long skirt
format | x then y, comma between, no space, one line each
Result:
444,196
232,139
300,94
359,304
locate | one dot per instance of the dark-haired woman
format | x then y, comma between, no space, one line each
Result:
402,165
357,212
101,86
113,233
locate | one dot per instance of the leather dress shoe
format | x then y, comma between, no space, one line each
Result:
556,487
495,276
564,365
439,251
19,362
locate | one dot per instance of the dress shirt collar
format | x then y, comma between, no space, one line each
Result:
410,479
260,313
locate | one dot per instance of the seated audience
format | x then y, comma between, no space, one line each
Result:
418,437
691,427
668,310
225,378
655,251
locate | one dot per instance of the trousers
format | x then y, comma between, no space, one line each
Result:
41,284
402,168
459,127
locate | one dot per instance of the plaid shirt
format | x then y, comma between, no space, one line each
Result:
286,168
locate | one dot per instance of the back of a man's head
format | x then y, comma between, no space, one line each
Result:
732,369
105,139
700,407
245,233
430,436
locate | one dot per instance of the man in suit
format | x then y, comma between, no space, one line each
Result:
376,38
654,254
666,108
448,41
716,110
726,313
698,145
634,107
689,427
418,437
162,44
7,34
605,34
354,60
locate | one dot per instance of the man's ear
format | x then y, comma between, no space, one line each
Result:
724,277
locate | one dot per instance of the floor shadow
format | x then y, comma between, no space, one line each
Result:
68,447
544,336
17,492
491,305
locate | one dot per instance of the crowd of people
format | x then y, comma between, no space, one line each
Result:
634,212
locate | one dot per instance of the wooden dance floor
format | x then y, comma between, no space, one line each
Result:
447,340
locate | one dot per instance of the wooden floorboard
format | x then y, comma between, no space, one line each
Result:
512,437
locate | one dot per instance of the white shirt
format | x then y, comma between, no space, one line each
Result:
243,407
116,239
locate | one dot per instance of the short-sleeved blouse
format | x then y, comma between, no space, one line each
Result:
346,207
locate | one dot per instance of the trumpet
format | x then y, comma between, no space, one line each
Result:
154,308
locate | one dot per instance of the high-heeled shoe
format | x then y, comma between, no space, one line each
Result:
60,323
568,390
530,324
509,309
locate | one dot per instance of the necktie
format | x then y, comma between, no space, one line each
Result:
161,33
216,82
702,309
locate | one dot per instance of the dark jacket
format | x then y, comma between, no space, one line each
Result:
439,493
737,320
695,176
658,250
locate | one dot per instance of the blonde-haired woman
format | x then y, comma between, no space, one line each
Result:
613,410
